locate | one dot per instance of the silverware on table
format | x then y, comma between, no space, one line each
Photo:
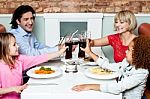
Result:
42,84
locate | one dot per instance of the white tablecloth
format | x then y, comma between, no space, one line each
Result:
63,90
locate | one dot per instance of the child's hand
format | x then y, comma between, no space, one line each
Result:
82,87
85,87
88,47
63,49
60,46
19,89
91,42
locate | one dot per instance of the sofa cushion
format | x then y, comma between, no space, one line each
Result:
144,29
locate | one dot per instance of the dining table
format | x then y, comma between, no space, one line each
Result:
60,87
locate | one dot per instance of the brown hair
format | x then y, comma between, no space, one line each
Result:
4,49
126,16
2,28
141,52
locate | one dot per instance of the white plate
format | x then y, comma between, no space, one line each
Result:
88,73
57,72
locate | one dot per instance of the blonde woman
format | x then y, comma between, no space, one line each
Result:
125,24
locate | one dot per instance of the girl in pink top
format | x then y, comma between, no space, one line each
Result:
125,24
12,64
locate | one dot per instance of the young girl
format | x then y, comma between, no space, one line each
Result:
134,70
12,64
124,24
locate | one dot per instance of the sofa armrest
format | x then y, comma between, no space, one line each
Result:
144,29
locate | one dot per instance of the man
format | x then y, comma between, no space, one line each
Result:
22,25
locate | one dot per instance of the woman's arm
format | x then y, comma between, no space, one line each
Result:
99,42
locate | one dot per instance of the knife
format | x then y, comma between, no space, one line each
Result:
42,84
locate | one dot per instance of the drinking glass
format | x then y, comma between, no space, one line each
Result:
82,43
68,43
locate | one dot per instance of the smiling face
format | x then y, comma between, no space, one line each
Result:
13,47
125,17
129,52
26,21
121,26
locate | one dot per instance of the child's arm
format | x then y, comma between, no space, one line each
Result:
17,89
102,61
137,79
56,54
89,52
29,61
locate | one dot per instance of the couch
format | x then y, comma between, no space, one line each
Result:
144,29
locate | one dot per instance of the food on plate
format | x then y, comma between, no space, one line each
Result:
100,71
88,59
44,70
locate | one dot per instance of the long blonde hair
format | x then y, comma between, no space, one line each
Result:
4,49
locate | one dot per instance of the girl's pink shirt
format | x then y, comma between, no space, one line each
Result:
13,77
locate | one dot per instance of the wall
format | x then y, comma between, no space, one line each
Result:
106,29
38,27
105,6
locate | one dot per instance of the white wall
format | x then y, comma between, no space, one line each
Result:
106,29
5,19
